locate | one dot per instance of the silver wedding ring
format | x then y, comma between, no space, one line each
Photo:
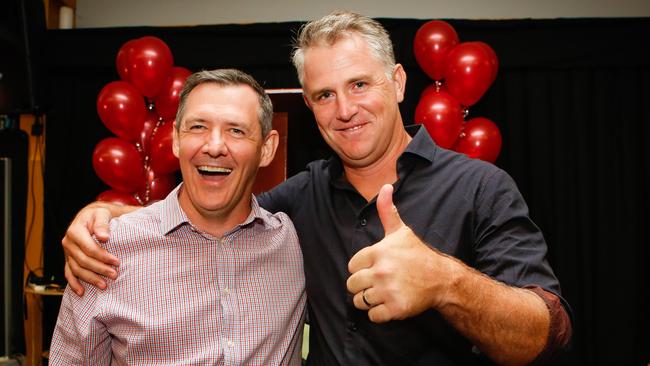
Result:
365,301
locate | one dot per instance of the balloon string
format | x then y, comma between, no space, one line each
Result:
147,163
147,191
155,128
137,198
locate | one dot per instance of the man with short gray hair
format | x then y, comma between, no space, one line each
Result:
207,276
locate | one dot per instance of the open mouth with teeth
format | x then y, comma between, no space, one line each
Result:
352,129
214,170
357,127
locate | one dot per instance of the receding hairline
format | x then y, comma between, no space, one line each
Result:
257,105
339,25
224,78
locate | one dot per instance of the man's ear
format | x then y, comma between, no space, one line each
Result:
175,141
399,80
304,97
269,146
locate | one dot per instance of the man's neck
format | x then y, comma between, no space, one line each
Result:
369,179
211,222
218,225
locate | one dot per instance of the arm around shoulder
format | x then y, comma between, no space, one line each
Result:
85,259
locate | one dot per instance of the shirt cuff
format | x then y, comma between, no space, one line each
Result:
560,329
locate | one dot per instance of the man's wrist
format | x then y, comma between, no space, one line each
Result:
454,273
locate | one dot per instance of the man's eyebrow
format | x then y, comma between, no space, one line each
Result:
357,78
316,93
235,123
190,119
193,119
351,80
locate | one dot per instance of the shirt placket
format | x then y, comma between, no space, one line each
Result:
360,240
227,330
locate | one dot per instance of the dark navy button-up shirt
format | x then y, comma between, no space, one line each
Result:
464,207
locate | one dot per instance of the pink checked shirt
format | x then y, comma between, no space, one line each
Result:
185,297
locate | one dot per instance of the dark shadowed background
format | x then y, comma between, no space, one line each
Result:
571,100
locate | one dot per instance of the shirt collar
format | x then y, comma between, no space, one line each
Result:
173,215
421,145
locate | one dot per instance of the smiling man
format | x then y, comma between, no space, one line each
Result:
207,276
414,254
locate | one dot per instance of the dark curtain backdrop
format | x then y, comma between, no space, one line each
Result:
571,100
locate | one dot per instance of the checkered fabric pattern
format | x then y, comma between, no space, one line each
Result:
185,297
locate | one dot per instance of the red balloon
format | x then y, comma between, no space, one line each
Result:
144,142
471,69
118,164
480,139
167,100
148,64
161,186
121,107
163,160
432,43
441,114
492,58
118,197
156,187
122,59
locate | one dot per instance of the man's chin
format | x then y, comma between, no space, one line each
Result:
355,158
214,210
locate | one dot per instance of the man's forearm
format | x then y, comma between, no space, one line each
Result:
510,325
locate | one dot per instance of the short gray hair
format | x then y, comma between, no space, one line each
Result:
228,77
339,24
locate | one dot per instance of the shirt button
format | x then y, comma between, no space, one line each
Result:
352,326
363,222
230,344
226,291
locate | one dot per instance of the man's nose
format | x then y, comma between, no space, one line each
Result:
346,107
215,144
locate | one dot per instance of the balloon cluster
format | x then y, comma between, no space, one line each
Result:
139,109
462,73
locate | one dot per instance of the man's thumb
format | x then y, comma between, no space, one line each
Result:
100,225
387,211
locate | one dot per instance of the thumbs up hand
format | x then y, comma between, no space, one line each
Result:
390,219
399,276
